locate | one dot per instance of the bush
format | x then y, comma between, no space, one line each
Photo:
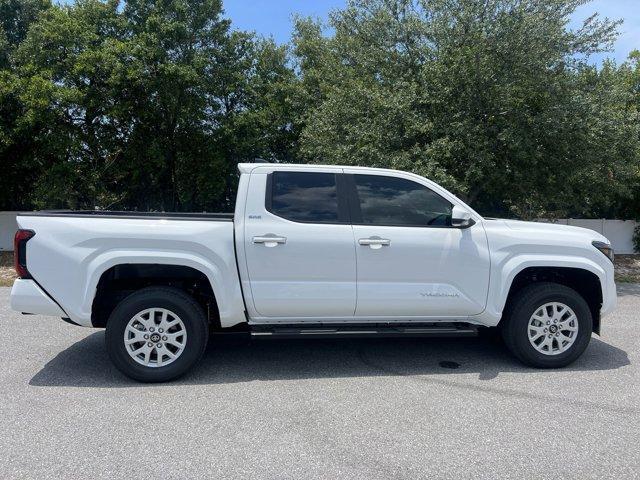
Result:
636,239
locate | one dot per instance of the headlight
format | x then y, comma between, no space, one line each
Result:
604,248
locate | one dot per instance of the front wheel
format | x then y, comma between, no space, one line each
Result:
156,334
547,325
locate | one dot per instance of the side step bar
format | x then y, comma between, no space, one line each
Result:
363,331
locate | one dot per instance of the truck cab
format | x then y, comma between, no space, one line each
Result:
338,244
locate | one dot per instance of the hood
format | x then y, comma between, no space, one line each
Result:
552,229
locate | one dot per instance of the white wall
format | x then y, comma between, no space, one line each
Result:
8,227
619,232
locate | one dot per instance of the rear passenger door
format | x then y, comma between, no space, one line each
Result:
299,246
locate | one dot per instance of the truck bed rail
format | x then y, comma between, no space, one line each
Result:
219,217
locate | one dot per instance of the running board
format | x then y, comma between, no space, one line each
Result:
363,331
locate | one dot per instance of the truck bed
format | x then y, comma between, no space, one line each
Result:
72,250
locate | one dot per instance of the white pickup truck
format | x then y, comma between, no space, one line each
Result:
314,251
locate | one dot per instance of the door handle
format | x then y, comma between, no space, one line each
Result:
375,242
269,240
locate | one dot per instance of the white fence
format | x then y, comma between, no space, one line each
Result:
619,232
8,227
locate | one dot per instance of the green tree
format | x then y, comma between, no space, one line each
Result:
493,99
148,105
19,144
627,85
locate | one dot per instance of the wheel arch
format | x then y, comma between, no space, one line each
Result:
585,281
120,280
220,271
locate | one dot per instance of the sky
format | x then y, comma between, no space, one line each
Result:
273,18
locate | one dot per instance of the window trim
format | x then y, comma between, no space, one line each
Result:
344,217
356,210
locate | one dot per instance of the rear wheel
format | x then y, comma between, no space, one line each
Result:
156,334
547,325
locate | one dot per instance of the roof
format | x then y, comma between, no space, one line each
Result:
248,167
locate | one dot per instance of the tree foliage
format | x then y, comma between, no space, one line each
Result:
493,99
150,104
147,105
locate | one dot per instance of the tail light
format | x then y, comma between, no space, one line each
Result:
20,252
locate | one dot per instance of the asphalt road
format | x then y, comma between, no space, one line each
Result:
370,409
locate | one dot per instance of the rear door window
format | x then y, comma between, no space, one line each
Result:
309,197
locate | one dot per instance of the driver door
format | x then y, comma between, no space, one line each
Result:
410,261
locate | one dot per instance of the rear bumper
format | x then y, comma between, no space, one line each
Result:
28,297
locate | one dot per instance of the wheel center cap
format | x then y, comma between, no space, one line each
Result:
155,337
552,329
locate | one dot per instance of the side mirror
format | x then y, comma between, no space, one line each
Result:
461,218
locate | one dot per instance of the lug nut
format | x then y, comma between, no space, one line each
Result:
555,321
146,337
150,344
550,335
151,329
545,330
548,323
164,338
160,330
159,345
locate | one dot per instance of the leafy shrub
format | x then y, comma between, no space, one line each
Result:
636,238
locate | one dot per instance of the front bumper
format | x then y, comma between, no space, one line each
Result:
609,294
28,297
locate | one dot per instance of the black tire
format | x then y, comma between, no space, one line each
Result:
178,302
524,305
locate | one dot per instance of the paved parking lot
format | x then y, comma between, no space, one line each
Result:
370,409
